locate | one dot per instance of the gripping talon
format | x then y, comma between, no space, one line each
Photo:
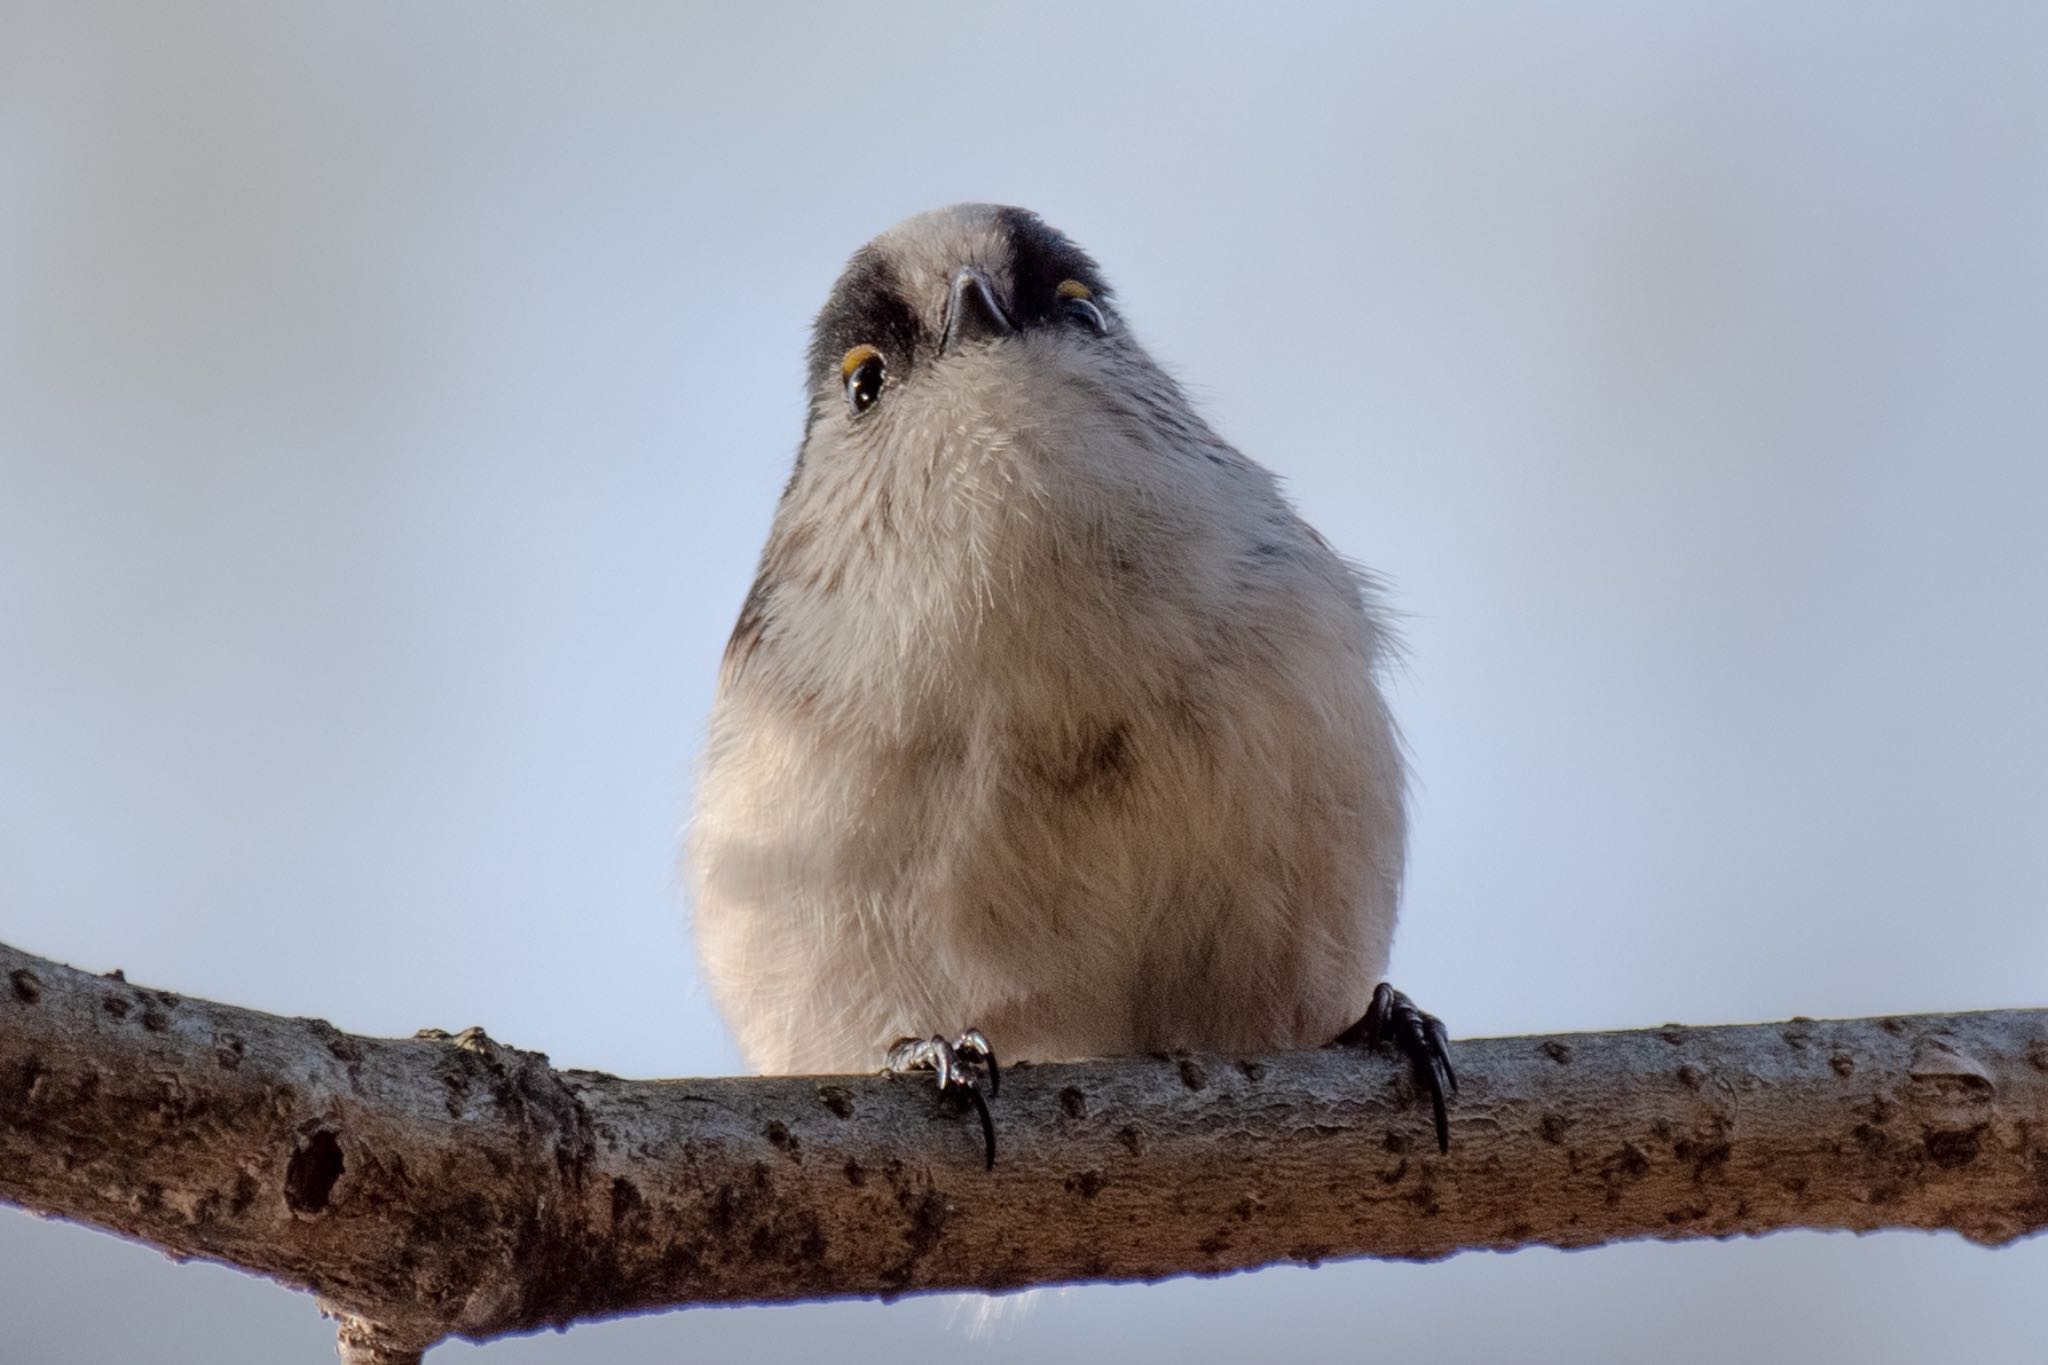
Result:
954,1065
1417,1035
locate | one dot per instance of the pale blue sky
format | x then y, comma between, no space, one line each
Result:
393,398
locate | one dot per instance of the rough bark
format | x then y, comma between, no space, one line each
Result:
433,1186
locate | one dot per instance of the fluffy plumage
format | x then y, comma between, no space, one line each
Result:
1046,713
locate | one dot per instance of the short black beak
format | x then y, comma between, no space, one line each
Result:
972,313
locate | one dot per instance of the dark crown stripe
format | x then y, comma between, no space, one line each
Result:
867,307
1040,260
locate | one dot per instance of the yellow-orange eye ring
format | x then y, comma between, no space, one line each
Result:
1077,301
863,371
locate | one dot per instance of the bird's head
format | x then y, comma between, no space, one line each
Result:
992,469
982,428
973,320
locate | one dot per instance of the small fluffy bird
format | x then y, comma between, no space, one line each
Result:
1047,721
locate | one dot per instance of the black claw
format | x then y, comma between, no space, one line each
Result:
1440,1050
1443,1119
1420,1037
954,1066
988,1123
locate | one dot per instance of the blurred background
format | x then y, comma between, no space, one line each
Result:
393,400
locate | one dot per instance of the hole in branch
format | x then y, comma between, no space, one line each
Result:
310,1175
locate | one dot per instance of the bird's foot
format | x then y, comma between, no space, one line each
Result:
1417,1035
959,1066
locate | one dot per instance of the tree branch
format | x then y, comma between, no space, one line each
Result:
433,1186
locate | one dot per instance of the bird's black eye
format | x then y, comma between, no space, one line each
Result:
1077,301
864,372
